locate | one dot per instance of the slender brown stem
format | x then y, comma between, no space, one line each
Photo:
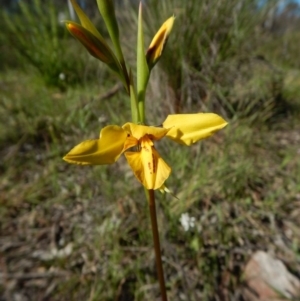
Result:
160,271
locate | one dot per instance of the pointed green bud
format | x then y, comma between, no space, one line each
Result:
95,46
85,21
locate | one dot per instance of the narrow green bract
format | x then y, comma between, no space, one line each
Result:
107,11
142,68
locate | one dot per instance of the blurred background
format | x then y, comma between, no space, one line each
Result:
83,233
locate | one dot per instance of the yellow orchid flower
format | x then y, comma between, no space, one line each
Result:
148,166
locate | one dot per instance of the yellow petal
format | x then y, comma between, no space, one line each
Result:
149,168
189,128
105,150
158,43
139,131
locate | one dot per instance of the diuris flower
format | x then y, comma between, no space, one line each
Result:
148,166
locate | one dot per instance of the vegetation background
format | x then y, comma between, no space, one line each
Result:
83,233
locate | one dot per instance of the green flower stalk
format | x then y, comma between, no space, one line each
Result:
107,11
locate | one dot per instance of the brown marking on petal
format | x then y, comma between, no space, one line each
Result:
150,168
154,164
152,49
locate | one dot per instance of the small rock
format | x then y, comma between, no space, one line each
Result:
268,279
